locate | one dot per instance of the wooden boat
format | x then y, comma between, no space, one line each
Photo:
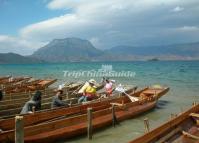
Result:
12,109
27,89
26,93
184,128
38,85
8,108
4,78
44,115
67,127
42,84
17,96
46,105
7,113
13,104
69,91
20,86
8,82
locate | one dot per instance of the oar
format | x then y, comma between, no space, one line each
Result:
77,89
133,99
122,90
68,84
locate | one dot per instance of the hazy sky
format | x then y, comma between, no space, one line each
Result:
26,25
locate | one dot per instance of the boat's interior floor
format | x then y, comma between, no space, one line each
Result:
194,135
191,136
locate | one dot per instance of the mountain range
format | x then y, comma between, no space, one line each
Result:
187,51
12,58
78,50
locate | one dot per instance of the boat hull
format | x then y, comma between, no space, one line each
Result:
171,130
98,123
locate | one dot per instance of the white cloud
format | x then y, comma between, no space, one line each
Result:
178,9
17,45
91,18
107,23
64,26
63,4
112,22
188,29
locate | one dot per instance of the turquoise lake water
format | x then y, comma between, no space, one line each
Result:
182,78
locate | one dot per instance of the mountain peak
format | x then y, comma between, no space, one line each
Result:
68,39
68,49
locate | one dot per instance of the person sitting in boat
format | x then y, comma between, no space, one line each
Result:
109,87
1,94
89,92
35,102
57,100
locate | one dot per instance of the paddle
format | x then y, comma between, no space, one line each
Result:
77,89
68,84
122,90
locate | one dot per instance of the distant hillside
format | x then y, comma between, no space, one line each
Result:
166,52
69,49
75,49
189,49
11,58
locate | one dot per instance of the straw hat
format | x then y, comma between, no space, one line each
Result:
92,81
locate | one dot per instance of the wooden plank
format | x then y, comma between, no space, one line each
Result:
186,134
89,124
19,129
117,104
169,135
194,115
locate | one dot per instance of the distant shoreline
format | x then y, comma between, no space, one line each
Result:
71,62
